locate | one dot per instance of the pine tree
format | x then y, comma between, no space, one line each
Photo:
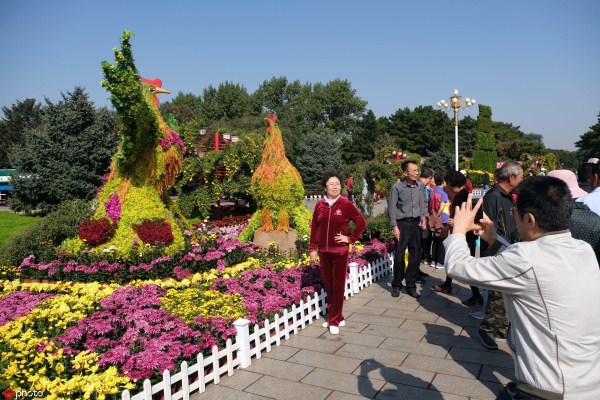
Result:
320,153
67,157
20,117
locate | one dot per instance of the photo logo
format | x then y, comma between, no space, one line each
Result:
11,394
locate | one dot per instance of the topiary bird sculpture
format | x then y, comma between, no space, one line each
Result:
148,159
277,188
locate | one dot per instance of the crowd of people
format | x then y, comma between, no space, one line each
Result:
538,258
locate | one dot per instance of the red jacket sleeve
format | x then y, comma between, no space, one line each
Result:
312,244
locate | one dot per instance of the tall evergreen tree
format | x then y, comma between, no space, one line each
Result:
17,119
319,153
67,157
484,156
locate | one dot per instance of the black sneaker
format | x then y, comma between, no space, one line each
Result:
487,339
395,291
499,337
412,292
510,392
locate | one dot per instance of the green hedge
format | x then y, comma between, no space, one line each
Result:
43,236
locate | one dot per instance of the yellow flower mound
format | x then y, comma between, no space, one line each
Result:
188,304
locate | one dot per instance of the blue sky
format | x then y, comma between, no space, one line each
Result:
536,63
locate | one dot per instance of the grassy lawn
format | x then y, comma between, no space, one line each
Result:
11,223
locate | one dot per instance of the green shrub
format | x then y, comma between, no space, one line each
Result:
186,203
378,228
203,201
200,200
42,237
476,178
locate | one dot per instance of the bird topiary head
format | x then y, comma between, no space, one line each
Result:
135,101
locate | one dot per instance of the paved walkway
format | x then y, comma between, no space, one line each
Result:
391,348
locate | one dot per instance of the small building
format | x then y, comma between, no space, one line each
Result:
5,187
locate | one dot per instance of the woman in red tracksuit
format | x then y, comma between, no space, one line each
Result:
329,241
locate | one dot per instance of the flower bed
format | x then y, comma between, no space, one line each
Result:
207,250
73,340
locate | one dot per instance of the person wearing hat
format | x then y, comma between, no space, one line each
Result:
585,224
570,179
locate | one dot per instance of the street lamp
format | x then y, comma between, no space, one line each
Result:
455,104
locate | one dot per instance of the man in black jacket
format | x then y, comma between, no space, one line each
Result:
498,205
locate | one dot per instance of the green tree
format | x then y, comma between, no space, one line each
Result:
441,161
467,136
67,157
360,145
422,130
274,96
567,159
589,143
185,107
342,108
304,108
20,117
320,152
229,100
511,142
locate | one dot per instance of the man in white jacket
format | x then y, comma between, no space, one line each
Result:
551,285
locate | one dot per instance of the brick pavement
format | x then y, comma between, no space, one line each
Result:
391,348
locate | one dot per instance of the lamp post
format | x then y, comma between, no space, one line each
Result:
456,104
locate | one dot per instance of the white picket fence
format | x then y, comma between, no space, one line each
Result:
313,197
247,345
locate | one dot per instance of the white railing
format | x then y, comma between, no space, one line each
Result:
239,354
313,197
